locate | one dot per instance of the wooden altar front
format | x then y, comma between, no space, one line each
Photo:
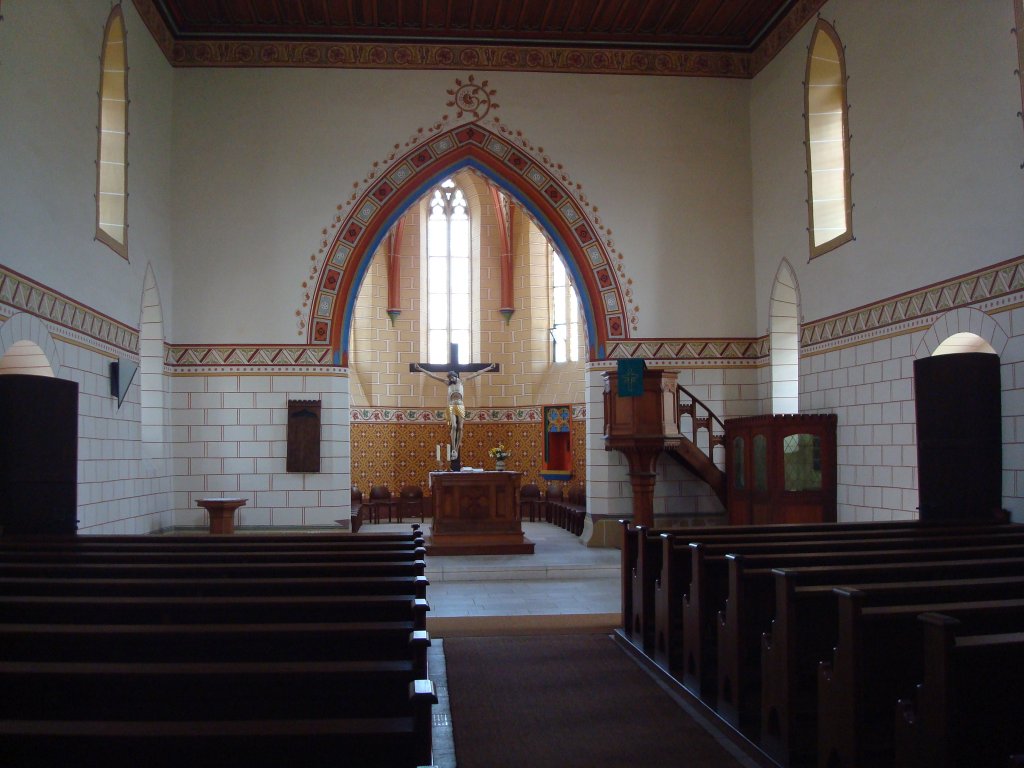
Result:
476,513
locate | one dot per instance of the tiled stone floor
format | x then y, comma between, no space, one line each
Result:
561,578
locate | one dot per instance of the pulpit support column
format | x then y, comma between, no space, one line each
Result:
641,428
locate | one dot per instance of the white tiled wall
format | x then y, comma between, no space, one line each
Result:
114,495
229,437
226,429
869,384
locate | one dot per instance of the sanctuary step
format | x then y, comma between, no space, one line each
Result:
559,555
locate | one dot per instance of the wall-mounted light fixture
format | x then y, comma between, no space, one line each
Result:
121,374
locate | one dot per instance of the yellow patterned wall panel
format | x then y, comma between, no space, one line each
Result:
396,454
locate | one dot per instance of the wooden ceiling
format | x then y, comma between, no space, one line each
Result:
668,24
204,32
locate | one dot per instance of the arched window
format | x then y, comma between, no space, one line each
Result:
565,320
111,163
784,341
449,294
830,208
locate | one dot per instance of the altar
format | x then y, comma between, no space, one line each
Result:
476,513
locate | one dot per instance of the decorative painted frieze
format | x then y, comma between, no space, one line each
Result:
691,351
531,415
491,58
69,318
987,289
247,356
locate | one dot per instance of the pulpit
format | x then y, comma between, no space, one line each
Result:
476,513
641,426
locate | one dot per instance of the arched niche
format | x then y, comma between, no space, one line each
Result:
25,357
26,342
524,177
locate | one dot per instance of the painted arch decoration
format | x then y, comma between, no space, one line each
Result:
510,165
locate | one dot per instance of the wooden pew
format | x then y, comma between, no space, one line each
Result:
351,636
235,539
877,660
811,608
799,637
345,585
298,569
657,569
62,609
223,690
318,743
306,641
204,556
968,709
709,590
157,544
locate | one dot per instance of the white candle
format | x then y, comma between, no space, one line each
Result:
438,451
448,448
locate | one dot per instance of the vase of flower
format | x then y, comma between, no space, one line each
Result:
499,453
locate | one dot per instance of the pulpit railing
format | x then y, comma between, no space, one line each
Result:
702,418
706,432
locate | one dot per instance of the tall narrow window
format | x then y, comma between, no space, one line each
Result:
111,164
448,274
565,321
829,203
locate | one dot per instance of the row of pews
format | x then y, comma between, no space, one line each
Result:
241,650
841,645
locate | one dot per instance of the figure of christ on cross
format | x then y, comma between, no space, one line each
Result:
456,404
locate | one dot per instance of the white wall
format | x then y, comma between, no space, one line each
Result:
264,157
935,153
49,77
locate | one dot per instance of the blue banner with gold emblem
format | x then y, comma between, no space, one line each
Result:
631,378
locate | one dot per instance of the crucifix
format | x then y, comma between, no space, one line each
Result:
456,405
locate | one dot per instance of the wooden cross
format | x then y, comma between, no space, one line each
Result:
453,365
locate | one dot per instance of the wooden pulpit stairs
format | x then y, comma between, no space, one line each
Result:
646,422
690,453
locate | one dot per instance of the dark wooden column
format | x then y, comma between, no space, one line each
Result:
641,428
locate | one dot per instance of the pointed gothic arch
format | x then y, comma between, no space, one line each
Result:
513,168
784,340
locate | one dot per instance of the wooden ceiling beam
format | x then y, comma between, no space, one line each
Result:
666,14
640,18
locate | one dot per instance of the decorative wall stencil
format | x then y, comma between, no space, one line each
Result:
540,184
395,454
988,289
219,356
79,322
692,351
472,98
437,416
